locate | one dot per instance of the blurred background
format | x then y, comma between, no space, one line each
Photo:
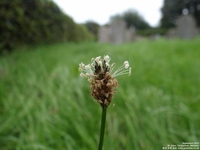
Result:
45,105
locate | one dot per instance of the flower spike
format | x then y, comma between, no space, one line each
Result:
102,80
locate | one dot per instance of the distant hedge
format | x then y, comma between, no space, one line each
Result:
32,22
152,31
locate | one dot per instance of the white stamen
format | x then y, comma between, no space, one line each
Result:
126,62
129,72
88,71
126,66
82,75
107,58
97,59
107,64
100,63
88,67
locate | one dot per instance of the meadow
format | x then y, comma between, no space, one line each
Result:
46,105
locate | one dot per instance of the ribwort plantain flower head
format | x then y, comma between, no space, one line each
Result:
101,76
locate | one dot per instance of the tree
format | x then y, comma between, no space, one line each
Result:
193,7
133,18
172,9
92,27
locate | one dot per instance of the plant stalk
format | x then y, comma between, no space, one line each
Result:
103,123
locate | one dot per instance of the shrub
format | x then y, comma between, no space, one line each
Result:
34,22
152,31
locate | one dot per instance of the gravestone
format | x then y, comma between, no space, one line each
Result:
116,33
118,29
186,27
172,33
129,34
104,34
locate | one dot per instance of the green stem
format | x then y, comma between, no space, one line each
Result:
103,123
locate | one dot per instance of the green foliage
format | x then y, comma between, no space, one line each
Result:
152,31
172,9
133,18
45,105
35,21
93,28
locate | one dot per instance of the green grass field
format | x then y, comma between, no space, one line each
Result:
46,105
